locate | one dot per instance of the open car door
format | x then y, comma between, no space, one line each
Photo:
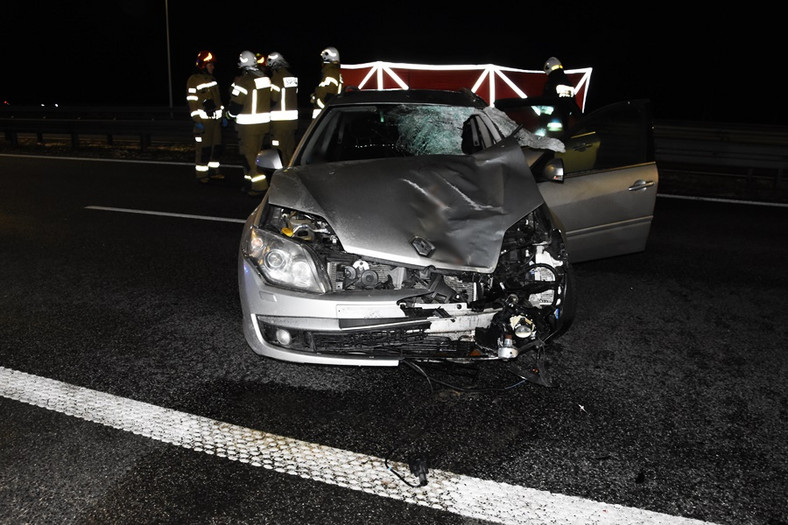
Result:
605,201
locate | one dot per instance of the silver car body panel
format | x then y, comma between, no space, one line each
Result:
605,213
605,203
374,224
301,311
326,313
470,209
461,204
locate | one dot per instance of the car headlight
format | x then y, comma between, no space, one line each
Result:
285,262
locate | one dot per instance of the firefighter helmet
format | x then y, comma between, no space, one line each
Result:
551,64
247,60
260,59
203,58
276,60
330,55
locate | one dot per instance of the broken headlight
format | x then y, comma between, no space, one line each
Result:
285,262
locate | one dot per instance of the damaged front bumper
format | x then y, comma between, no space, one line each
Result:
384,327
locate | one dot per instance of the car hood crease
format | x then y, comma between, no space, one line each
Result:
462,204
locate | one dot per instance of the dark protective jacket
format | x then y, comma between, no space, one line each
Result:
250,98
558,85
203,97
284,96
331,84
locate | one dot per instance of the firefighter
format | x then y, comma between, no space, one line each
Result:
558,84
331,83
559,88
206,110
284,106
250,107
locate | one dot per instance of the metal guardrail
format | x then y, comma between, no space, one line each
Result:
722,145
145,131
726,160
734,149
144,124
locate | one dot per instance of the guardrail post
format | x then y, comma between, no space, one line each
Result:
750,180
12,137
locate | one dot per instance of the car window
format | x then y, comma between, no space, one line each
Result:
543,117
617,136
392,130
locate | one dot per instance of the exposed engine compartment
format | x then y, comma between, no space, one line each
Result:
496,314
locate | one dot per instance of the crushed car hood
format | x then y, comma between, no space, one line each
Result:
459,204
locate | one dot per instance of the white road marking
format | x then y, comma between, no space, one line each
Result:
665,195
166,214
446,491
95,159
724,201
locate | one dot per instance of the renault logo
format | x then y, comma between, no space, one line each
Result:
422,246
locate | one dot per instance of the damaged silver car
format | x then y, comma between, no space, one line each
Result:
407,226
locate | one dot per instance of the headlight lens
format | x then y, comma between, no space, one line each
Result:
285,262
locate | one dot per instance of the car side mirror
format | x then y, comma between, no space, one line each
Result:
554,170
269,159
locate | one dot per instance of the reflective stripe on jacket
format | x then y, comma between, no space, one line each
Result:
251,98
331,84
202,90
284,96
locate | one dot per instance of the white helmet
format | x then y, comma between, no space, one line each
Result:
330,54
551,64
247,60
276,60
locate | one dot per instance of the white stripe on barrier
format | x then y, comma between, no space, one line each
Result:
462,495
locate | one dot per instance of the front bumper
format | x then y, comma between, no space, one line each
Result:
362,329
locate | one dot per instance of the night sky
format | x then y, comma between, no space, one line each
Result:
721,65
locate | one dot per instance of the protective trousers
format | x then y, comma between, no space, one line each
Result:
251,138
208,148
283,133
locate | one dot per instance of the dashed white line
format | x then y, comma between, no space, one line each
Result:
96,159
446,491
166,214
664,195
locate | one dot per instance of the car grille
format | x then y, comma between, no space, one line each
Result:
395,342
392,342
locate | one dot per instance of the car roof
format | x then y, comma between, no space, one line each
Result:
463,98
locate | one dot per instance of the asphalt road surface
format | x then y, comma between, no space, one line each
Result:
128,394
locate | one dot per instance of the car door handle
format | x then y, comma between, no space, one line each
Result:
641,184
582,147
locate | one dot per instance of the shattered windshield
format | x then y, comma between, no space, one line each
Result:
378,131
430,130
524,136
